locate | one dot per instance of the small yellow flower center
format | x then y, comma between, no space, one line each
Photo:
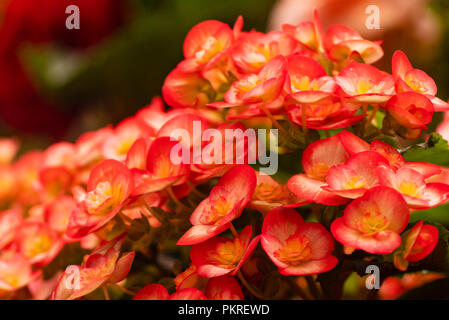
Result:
97,197
266,191
319,171
37,245
409,188
228,254
355,182
295,251
303,84
208,50
219,209
124,146
415,84
372,223
249,83
363,86
164,169
11,279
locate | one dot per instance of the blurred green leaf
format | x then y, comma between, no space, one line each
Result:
436,151
438,214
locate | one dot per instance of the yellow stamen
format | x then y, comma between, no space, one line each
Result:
372,223
296,250
408,188
228,254
356,182
363,86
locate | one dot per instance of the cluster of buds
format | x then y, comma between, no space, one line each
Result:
119,187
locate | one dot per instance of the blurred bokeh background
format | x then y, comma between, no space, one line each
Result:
57,83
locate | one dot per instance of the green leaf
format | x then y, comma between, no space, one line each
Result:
71,254
436,151
438,214
138,228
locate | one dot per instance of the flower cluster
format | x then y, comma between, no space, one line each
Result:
116,195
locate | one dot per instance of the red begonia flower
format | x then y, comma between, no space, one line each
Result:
365,84
358,174
297,247
317,159
109,186
159,292
413,187
373,222
205,44
224,288
104,265
341,42
415,80
417,243
224,204
219,256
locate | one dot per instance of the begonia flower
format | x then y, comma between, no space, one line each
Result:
223,288
109,186
224,204
220,256
297,247
409,79
365,84
417,243
317,159
373,222
103,266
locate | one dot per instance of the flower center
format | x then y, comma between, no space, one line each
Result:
249,83
414,84
164,169
320,111
209,49
98,197
37,245
319,171
11,279
296,250
304,84
266,191
372,223
124,146
409,188
363,86
219,207
355,182
228,254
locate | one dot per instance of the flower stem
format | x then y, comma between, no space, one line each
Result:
316,211
173,197
293,125
195,190
124,290
250,288
234,232
156,214
106,293
362,128
298,290
274,121
372,115
304,121
313,287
